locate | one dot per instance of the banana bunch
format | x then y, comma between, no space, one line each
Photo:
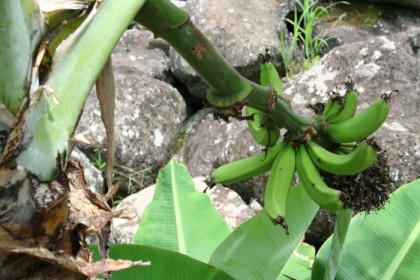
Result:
341,149
258,126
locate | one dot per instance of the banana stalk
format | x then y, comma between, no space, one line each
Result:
56,106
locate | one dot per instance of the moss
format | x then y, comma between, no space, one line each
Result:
355,14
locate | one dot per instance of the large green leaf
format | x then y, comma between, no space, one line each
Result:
258,249
299,265
165,264
383,245
181,219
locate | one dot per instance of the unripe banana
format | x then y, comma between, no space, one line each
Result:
313,183
332,108
360,126
264,136
355,162
278,186
270,76
348,109
246,168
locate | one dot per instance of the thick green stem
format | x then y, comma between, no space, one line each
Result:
174,25
340,231
227,87
59,103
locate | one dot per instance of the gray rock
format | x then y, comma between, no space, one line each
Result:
406,3
139,53
211,143
376,66
148,116
240,32
92,174
226,201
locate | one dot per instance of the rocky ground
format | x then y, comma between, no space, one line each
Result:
160,113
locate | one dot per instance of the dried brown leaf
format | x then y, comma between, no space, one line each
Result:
89,269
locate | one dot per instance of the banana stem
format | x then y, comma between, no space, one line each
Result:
340,231
228,89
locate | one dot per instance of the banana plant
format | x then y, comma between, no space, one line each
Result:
54,52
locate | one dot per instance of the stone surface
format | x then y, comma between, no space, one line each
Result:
93,176
148,116
405,3
240,32
139,53
226,201
211,143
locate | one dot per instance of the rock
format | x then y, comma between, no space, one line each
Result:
139,53
93,176
375,67
226,201
240,32
148,116
210,144
406,3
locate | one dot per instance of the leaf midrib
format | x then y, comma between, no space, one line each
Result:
392,269
179,230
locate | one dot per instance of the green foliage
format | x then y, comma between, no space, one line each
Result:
299,265
259,248
304,48
165,264
382,245
179,218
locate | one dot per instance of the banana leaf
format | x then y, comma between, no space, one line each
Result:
55,106
299,265
165,264
382,245
259,249
181,219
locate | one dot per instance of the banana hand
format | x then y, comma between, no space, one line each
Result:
362,125
246,168
313,183
355,162
278,186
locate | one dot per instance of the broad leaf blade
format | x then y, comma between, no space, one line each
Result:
258,249
165,264
383,245
181,219
299,265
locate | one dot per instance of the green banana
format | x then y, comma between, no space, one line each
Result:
263,135
246,168
270,76
332,107
348,109
362,125
355,162
282,173
313,183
